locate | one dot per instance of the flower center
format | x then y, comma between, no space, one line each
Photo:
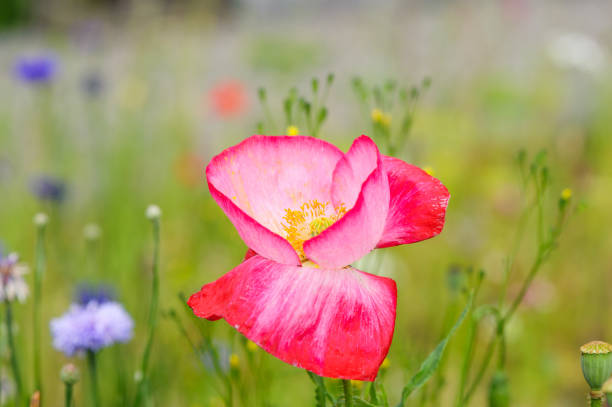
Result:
312,218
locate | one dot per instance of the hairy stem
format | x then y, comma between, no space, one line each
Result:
348,394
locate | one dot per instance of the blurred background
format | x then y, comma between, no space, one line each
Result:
133,98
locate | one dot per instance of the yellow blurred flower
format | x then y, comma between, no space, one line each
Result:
293,130
566,194
380,117
358,384
252,346
429,170
234,361
385,364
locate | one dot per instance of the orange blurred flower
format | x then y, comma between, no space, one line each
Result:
228,98
189,169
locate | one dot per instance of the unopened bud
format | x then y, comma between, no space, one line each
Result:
153,212
92,232
596,362
41,219
35,399
70,374
499,392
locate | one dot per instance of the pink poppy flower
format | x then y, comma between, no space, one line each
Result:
307,211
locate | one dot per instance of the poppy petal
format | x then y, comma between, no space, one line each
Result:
336,323
360,229
417,206
255,181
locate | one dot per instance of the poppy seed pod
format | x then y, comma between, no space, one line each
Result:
596,362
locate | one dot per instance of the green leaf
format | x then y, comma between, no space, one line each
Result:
430,365
362,403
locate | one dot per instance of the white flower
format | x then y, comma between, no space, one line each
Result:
12,285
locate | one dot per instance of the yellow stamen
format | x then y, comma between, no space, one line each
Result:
310,220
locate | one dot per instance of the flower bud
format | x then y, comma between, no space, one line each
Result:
596,362
70,374
92,232
153,212
35,399
499,393
41,219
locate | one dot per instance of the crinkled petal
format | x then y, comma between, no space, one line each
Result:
417,207
359,178
255,181
335,323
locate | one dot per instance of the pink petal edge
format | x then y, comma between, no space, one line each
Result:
360,229
417,207
335,323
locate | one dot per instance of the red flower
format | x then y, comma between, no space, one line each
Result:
307,211
228,98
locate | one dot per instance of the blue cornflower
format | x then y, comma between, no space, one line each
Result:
87,293
91,327
36,69
48,188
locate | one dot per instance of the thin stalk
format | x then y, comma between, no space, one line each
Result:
37,294
483,368
13,350
93,378
519,298
348,394
465,369
68,395
152,314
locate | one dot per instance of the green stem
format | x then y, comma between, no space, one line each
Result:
68,395
348,394
466,363
519,298
37,297
152,314
483,368
596,399
13,350
93,377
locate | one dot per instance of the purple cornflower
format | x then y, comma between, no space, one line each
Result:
48,188
36,69
91,327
